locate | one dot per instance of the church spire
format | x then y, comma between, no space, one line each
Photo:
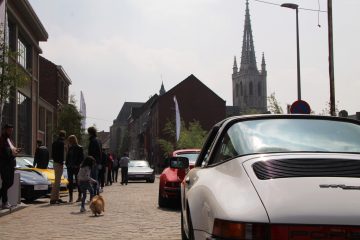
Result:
235,67
263,64
248,59
162,89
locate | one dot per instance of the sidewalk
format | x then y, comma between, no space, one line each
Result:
18,207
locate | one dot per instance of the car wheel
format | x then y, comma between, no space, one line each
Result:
151,180
162,201
183,234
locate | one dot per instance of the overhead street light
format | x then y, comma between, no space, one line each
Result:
296,7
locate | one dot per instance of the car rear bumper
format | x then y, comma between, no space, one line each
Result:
141,176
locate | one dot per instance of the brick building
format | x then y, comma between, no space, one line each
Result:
24,32
146,121
54,93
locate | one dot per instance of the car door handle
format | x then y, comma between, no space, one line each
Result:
187,180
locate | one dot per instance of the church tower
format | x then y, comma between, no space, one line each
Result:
249,84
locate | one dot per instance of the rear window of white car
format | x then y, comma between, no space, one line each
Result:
290,135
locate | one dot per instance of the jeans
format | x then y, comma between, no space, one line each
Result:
84,187
114,174
72,172
124,175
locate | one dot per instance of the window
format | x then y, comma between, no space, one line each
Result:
237,90
24,123
226,150
259,89
241,89
22,54
250,88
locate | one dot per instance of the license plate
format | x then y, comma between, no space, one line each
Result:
41,187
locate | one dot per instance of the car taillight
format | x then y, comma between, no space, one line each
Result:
239,230
224,229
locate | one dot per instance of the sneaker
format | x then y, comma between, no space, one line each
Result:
82,209
54,202
6,205
101,190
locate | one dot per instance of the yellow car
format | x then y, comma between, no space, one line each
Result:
47,173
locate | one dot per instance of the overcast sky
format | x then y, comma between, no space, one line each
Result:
121,50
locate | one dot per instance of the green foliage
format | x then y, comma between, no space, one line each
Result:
190,137
69,119
326,111
166,146
274,106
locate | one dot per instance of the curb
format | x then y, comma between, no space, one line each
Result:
18,207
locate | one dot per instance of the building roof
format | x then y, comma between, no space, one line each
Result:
126,111
185,81
137,111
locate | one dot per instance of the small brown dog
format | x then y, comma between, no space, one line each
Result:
97,205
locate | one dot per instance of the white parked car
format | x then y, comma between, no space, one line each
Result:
275,177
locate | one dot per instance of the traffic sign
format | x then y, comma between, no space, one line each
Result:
300,107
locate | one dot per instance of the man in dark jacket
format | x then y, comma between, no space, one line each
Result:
41,158
94,150
58,155
7,163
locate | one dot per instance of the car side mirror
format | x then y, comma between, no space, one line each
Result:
179,162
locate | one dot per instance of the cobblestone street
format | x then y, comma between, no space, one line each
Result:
131,212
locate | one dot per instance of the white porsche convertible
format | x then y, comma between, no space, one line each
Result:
275,177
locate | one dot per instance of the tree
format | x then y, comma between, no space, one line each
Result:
192,136
12,75
274,106
69,119
326,110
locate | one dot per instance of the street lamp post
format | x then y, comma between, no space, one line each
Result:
296,7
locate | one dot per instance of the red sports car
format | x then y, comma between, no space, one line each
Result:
170,178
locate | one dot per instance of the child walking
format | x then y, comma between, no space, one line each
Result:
85,181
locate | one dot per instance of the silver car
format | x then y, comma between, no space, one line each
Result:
141,170
275,177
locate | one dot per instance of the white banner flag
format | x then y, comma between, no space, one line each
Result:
177,119
83,110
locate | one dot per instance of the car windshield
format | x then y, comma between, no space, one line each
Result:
190,155
291,135
138,164
24,162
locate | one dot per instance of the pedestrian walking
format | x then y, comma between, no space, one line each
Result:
115,169
41,157
58,155
85,180
124,165
110,163
74,157
94,150
7,163
104,172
